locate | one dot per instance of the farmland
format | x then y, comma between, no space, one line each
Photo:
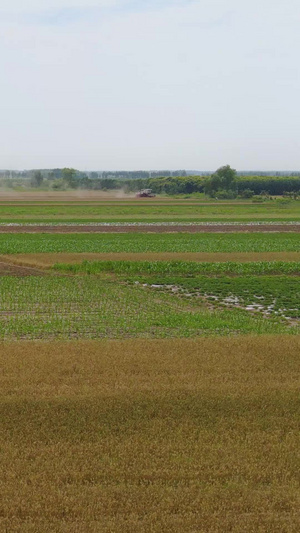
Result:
149,381
35,307
139,243
148,211
150,435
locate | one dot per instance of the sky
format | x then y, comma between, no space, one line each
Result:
150,84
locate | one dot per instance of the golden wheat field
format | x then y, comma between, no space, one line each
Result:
150,436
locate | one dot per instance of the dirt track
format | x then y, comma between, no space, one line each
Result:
8,269
125,228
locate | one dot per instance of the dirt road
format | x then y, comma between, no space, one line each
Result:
155,228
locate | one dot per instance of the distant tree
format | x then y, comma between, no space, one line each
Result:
224,179
69,176
246,193
58,184
37,179
292,194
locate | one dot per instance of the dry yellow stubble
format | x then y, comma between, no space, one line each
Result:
150,436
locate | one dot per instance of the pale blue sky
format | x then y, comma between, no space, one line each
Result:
131,84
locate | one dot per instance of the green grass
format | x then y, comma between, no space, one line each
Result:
151,212
139,242
86,307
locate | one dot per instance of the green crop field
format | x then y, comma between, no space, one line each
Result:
120,299
37,307
183,268
271,288
140,242
150,211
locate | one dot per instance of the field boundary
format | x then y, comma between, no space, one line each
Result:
153,228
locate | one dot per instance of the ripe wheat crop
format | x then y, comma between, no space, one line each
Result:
161,436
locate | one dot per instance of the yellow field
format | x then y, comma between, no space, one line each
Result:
150,436
49,259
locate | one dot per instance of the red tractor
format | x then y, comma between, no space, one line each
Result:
145,193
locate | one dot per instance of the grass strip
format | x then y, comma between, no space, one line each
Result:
184,268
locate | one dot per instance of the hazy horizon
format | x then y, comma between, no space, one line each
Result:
188,171
140,84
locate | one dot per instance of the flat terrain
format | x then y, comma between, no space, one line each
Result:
7,268
49,259
81,307
139,243
149,373
10,196
151,228
159,210
161,436
154,286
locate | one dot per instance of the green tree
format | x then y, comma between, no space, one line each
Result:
224,179
37,179
69,175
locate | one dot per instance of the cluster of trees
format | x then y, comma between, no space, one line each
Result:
224,183
273,185
137,174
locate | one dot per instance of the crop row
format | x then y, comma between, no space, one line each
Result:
141,242
152,210
186,268
84,307
272,295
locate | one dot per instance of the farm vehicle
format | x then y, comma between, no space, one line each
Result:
145,193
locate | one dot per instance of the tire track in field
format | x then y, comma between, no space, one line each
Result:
153,228
10,269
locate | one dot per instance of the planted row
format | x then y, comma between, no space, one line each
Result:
272,295
187,268
53,307
141,242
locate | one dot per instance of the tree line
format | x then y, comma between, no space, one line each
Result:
224,183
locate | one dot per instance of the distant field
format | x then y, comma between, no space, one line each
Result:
154,243
112,303
161,436
157,210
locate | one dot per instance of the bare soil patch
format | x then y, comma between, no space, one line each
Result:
79,196
10,269
56,196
